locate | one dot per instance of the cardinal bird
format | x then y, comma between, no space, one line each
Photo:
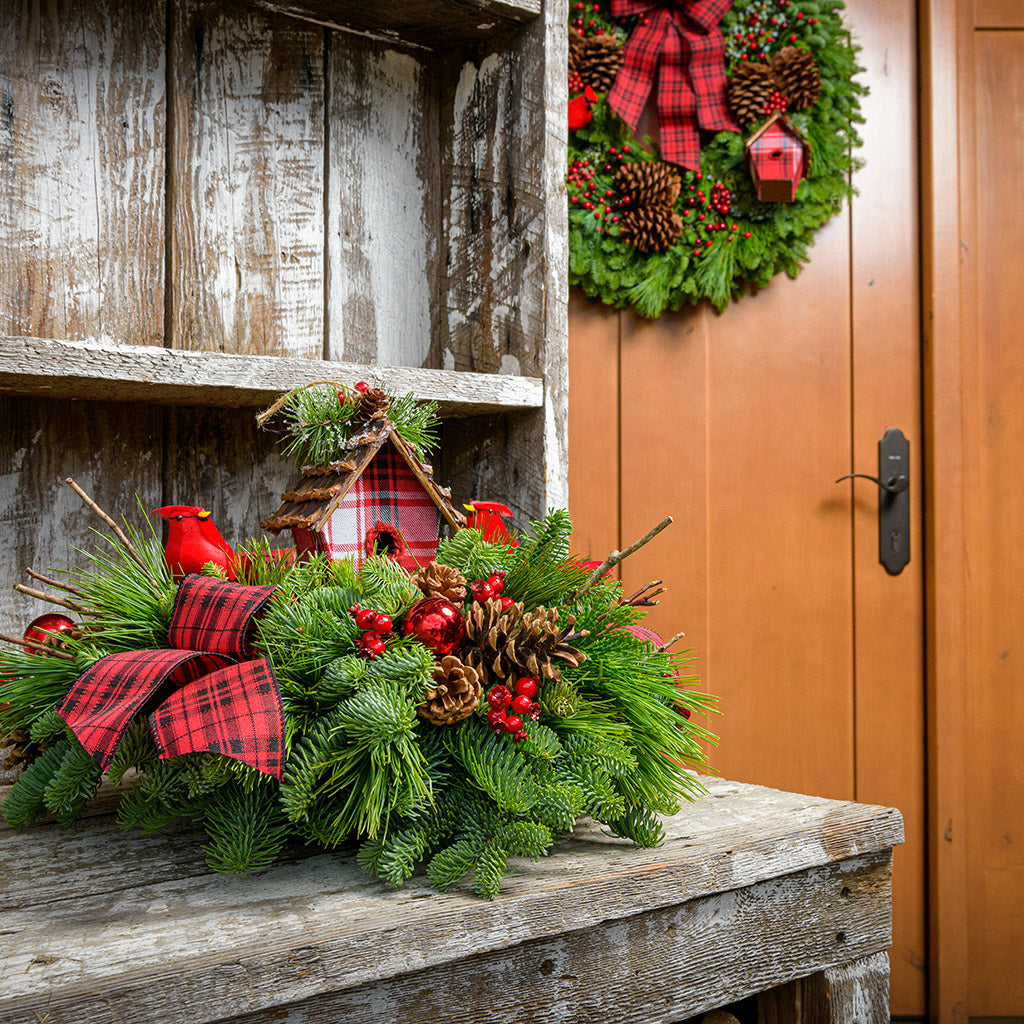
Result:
581,109
486,516
193,541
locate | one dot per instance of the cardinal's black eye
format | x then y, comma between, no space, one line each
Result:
179,517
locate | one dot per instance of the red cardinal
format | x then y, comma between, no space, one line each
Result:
486,516
193,541
581,109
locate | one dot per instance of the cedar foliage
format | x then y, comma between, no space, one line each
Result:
361,766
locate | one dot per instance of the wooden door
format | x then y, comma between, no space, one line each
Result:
738,425
975,374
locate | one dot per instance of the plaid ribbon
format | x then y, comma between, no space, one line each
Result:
216,705
681,38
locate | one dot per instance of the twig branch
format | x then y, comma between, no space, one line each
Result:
668,643
118,532
617,556
54,583
645,595
283,400
41,648
51,598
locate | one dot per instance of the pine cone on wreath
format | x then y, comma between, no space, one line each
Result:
599,62
436,580
454,696
649,183
577,44
373,405
651,229
797,77
515,643
750,88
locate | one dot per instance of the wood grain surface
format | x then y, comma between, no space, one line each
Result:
175,935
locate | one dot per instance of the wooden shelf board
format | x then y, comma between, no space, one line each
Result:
141,373
431,23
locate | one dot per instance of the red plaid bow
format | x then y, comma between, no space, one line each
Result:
682,36
220,702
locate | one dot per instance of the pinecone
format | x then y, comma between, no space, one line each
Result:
514,643
577,44
19,748
599,62
797,77
750,88
649,183
652,228
455,695
373,405
436,580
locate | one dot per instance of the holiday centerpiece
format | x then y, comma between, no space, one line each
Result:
456,712
744,93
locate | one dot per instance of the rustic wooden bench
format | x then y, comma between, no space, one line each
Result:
754,891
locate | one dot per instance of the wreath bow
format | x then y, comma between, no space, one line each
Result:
682,37
224,700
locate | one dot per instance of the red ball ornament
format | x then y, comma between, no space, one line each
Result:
362,386
39,630
436,623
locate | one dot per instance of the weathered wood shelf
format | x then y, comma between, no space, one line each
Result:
752,890
432,23
142,373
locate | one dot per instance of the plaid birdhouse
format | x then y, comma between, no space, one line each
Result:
379,498
778,156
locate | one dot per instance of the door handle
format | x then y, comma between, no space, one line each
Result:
893,481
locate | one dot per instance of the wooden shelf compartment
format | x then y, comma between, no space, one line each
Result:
47,368
431,23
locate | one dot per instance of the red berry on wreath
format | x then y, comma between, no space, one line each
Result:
534,712
482,591
527,685
499,696
382,624
513,724
496,715
521,704
519,736
506,603
365,618
362,386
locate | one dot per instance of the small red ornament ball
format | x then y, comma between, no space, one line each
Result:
39,630
436,623
362,386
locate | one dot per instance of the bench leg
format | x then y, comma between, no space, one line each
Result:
853,993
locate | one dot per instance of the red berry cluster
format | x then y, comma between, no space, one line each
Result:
501,700
766,23
377,629
585,191
582,20
721,198
697,202
576,84
485,590
776,102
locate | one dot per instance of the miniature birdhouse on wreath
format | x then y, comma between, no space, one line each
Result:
778,156
379,498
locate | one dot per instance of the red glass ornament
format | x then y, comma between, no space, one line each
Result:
39,630
527,685
521,704
436,623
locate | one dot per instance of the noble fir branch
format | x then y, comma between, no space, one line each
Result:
495,766
72,785
136,750
540,572
447,866
639,824
26,802
161,797
473,556
47,728
246,829
386,586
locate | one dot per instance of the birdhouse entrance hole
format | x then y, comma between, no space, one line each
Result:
383,539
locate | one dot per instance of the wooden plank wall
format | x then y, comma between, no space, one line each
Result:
214,177
737,425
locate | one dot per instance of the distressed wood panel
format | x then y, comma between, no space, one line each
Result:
384,210
82,169
426,22
655,967
247,199
203,941
113,451
853,992
76,369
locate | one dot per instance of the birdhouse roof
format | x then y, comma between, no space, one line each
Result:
323,488
784,124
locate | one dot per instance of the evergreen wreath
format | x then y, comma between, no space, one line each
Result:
713,239
551,704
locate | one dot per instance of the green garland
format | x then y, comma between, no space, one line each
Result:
615,733
759,239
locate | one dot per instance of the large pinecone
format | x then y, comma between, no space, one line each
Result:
599,62
649,183
455,695
436,580
750,88
577,44
373,405
652,228
797,77
512,643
